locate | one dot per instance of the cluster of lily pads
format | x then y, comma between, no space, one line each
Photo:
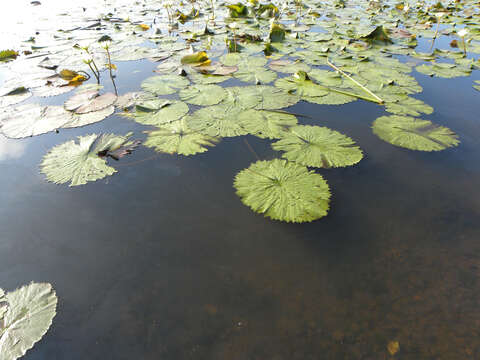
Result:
228,70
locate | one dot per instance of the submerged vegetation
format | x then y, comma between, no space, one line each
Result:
234,69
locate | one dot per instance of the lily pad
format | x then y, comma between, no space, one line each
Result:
178,138
273,98
408,106
266,124
81,162
301,85
164,114
165,84
79,120
203,95
32,119
217,121
25,318
413,133
318,147
14,96
283,191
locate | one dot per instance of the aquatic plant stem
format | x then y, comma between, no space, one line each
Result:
379,100
251,148
110,69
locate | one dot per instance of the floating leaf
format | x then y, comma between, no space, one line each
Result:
283,191
378,34
443,70
476,87
255,74
237,10
79,120
408,106
414,134
168,112
301,85
318,147
80,162
8,55
288,66
277,33
203,95
31,119
97,103
14,96
273,98
165,84
217,121
197,58
177,137
266,124
80,99
26,318
242,97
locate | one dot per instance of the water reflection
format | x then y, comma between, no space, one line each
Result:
11,149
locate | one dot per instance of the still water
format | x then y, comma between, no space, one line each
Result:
163,261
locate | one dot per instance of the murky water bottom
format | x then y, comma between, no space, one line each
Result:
162,260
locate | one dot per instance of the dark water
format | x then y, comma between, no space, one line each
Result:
162,260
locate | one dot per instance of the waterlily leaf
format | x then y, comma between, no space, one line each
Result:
51,89
178,138
408,106
254,74
318,147
443,70
217,121
97,103
241,60
14,96
266,124
207,79
8,55
79,120
273,98
288,66
237,10
197,58
32,119
80,99
277,33
242,97
27,318
332,98
165,84
476,87
203,95
301,85
378,34
283,191
413,133
127,100
80,162
169,112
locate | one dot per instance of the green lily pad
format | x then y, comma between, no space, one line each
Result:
408,106
266,124
288,66
318,147
203,95
81,162
413,133
301,85
273,98
178,138
242,97
165,84
477,87
14,96
165,113
443,70
217,121
255,74
8,55
283,191
79,120
25,318
32,119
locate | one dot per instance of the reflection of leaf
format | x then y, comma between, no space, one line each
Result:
477,87
414,134
29,314
318,147
164,84
203,95
266,124
283,191
277,33
177,137
80,162
218,120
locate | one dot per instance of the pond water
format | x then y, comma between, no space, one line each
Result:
163,261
